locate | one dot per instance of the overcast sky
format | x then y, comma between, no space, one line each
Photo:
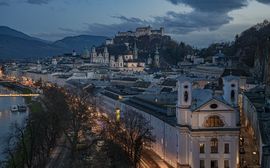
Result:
197,22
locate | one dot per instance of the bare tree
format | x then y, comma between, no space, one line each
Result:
133,132
80,119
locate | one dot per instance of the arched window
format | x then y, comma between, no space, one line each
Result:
214,121
232,95
214,145
186,96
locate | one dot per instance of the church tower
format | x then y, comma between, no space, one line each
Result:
184,100
93,55
106,55
230,89
156,58
183,116
112,61
120,61
39,66
135,52
149,60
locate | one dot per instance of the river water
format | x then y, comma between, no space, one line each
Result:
8,118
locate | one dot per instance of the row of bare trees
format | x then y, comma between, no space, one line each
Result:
133,132
62,114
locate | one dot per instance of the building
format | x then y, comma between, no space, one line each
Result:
142,31
101,58
128,62
193,127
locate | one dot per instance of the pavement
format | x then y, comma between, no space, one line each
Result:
58,155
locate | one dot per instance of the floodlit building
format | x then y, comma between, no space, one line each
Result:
193,127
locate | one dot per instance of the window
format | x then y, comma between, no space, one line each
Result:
213,106
226,164
202,164
232,95
214,121
201,148
226,148
214,145
186,96
214,164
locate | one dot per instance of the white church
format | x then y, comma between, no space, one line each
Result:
201,129
101,58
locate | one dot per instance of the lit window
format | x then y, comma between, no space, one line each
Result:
214,145
214,121
226,148
201,148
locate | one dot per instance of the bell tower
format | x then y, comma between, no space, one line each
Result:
93,54
184,100
230,89
106,55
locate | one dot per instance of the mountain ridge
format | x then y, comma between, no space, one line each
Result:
15,44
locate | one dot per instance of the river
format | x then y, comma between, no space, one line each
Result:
8,118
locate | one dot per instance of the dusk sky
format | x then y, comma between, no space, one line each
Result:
197,22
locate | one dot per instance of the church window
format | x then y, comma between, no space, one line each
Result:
226,148
226,164
202,148
202,164
186,96
186,86
214,164
213,106
233,85
232,95
214,145
214,121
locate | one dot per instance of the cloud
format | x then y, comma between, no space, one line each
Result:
38,2
264,1
207,15
223,6
4,3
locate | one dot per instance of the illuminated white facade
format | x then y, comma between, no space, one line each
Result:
201,131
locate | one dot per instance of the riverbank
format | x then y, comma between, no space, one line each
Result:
20,89
18,153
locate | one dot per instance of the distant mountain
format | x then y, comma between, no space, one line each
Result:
4,30
16,47
15,44
79,43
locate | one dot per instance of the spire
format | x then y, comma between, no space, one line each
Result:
135,52
105,49
93,49
156,58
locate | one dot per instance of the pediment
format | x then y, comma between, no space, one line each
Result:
214,105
